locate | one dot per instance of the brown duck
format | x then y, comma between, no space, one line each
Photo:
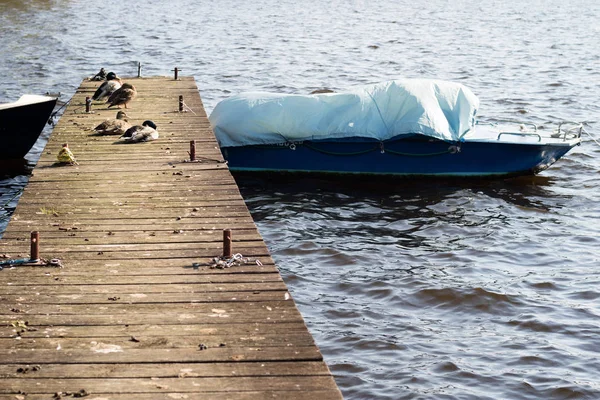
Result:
117,126
123,95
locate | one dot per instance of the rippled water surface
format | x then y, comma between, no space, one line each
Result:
429,290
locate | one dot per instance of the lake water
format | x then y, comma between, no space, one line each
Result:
413,289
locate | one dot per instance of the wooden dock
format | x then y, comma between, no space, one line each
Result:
138,310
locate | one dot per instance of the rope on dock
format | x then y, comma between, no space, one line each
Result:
234,261
55,262
187,108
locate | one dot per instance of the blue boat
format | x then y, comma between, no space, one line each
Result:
403,128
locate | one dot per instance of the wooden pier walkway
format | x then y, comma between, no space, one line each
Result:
136,311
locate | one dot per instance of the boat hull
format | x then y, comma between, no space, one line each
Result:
415,156
21,125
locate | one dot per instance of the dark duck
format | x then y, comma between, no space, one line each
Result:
108,87
141,133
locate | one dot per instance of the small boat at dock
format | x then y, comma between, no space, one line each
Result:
414,127
22,122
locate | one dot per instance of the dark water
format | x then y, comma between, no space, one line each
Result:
412,289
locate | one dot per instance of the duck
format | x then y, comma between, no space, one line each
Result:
141,133
65,156
100,76
108,87
123,95
117,126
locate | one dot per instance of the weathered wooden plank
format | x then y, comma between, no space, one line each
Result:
108,238
109,189
169,147
192,342
169,395
113,163
162,370
283,386
151,201
198,255
97,240
166,175
261,330
180,385
157,221
74,266
172,314
221,195
95,279
184,316
85,247
14,289
22,227
133,268
113,353
113,279
191,183
21,304
124,312
140,212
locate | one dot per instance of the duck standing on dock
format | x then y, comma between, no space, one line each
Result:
116,126
123,95
141,133
108,87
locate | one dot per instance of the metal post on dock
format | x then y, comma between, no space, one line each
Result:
88,104
176,71
139,69
227,243
180,103
192,150
35,247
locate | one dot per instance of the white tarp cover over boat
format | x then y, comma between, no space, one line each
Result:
440,109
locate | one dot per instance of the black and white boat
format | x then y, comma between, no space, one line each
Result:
22,122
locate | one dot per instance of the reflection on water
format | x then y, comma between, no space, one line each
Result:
392,220
15,167
13,177
388,192
388,270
